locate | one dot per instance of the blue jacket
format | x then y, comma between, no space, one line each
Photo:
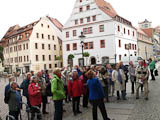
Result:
79,72
95,89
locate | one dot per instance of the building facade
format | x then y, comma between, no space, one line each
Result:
145,24
108,37
145,45
34,46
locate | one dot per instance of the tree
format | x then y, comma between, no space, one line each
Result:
86,55
70,59
1,54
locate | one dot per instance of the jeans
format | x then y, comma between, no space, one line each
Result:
44,102
85,101
123,94
99,103
75,104
152,75
58,114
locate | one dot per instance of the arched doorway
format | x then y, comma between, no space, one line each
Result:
105,60
93,60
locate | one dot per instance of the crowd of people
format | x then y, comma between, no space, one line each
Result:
94,84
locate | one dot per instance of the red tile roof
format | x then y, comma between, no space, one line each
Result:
56,23
106,7
149,32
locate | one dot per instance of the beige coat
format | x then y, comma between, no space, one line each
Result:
118,85
105,76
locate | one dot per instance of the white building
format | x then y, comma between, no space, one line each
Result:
34,46
107,34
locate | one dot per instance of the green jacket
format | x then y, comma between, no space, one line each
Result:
152,65
57,88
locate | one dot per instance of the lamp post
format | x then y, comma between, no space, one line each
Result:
82,37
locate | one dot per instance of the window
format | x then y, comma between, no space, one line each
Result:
125,55
48,37
27,58
26,35
27,46
76,22
49,47
24,58
37,35
20,47
43,46
68,47
120,57
90,45
118,28
55,65
55,57
85,45
23,46
81,20
124,30
101,28
49,57
85,30
119,43
90,30
74,46
94,18
74,33
128,32
80,0
67,34
88,19
133,33
135,47
36,45
43,57
80,9
50,66
54,47
48,26
36,57
11,49
42,36
102,44
41,25
52,37
88,7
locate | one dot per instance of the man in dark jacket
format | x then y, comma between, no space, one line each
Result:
24,85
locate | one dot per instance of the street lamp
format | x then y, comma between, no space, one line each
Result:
82,37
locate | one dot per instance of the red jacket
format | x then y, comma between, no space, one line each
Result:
35,97
84,85
74,88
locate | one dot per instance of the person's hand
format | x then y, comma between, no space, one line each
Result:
18,89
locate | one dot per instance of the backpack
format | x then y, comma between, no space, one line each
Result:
7,97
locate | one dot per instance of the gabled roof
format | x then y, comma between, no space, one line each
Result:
56,23
149,32
141,31
106,7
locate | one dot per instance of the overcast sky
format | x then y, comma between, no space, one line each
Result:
23,12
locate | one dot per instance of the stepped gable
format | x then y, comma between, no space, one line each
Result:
106,7
56,23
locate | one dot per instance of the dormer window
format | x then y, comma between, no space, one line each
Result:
88,7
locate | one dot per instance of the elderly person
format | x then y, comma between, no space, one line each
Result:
132,75
57,88
75,91
96,95
24,85
35,96
104,79
14,100
142,74
118,77
42,84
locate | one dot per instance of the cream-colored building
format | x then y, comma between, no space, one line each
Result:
34,46
145,45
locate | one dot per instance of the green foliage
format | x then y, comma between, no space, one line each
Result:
70,56
86,54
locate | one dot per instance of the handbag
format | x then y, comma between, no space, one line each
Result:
156,72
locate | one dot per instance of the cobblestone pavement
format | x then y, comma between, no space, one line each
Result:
130,109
